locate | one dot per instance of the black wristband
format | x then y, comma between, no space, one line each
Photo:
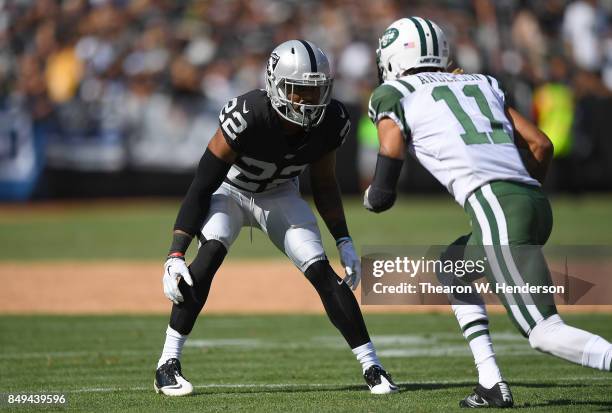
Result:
343,239
339,230
180,243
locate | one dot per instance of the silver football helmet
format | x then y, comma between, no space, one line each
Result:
299,68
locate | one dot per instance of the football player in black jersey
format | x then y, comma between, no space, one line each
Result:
248,177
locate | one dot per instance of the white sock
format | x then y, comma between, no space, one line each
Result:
173,347
484,358
474,324
597,354
366,355
570,343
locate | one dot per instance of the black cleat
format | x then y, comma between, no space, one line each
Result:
497,396
170,381
379,381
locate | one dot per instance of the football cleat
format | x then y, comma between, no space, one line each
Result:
497,396
379,381
170,381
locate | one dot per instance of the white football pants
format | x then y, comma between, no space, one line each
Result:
281,213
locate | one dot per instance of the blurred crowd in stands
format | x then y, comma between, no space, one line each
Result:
110,85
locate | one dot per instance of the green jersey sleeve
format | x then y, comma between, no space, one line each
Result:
386,102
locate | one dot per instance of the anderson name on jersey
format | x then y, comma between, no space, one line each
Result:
455,125
266,155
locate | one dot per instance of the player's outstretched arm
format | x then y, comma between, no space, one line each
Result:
212,169
381,194
535,148
328,201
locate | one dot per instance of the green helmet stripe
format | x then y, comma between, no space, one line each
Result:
434,38
421,35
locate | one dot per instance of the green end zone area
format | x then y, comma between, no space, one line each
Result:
282,363
141,230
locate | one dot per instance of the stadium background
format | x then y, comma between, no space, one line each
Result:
105,109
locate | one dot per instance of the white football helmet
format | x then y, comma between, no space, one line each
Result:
410,43
294,67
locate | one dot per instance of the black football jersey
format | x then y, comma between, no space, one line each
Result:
267,156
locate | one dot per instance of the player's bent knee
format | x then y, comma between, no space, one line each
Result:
555,337
202,269
538,340
213,247
206,263
303,246
543,336
322,276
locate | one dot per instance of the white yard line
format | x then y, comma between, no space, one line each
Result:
60,354
432,344
328,386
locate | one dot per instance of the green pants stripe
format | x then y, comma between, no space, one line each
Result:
506,215
509,258
497,275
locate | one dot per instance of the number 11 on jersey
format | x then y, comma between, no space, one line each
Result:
472,136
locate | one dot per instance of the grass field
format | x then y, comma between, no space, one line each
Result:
141,230
282,363
275,362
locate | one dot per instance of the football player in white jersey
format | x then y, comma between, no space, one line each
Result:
492,161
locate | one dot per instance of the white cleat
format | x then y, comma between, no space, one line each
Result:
169,380
379,381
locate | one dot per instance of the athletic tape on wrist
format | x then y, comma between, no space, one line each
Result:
343,239
180,243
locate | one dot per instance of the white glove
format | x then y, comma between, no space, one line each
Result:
350,261
175,269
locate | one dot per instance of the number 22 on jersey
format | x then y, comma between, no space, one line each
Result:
472,136
228,123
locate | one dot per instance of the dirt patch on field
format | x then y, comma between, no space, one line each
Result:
135,287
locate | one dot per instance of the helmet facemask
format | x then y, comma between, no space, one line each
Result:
303,101
379,67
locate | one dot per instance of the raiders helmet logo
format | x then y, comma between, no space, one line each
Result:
274,58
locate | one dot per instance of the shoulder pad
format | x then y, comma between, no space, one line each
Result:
239,116
497,87
341,122
386,102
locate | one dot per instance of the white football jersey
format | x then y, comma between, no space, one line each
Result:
455,126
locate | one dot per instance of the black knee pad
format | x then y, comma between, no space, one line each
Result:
206,263
339,303
322,276
202,269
